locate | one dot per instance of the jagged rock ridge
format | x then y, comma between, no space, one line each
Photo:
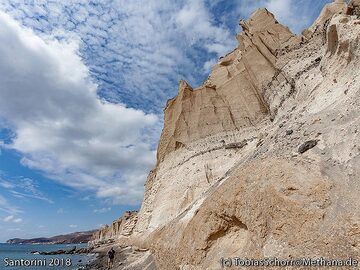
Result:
263,159
231,98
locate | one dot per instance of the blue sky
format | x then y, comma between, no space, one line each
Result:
82,89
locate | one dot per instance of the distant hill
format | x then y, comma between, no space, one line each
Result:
71,238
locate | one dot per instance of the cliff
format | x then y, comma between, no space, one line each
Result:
231,99
119,230
263,159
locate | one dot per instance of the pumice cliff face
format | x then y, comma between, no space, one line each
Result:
263,159
231,99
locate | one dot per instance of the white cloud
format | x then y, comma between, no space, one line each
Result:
196,22
62,127
12,218
8,218
282,8
17,220
284,11
73,226
208,65
102,210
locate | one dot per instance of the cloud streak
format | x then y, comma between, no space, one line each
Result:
6,207
22,188
13,219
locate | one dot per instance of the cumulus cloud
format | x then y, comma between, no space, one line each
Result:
62,127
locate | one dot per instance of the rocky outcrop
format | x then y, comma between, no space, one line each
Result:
263,159
119,230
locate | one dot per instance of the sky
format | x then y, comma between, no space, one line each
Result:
83,85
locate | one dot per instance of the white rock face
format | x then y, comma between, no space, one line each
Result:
263,159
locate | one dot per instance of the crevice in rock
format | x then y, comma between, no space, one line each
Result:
332,39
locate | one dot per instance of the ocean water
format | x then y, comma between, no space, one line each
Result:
10,252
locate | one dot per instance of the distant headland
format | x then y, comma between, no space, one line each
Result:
71,238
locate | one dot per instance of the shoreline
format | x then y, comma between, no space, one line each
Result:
74,250
126,258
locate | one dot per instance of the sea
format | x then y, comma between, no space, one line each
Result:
11,252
